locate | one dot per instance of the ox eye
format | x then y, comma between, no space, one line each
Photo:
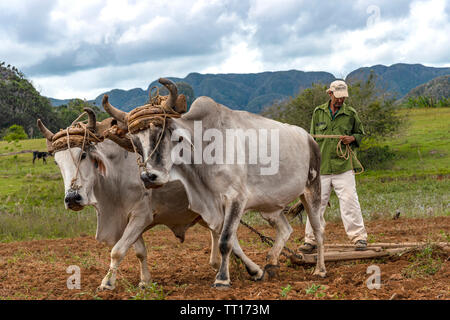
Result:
83,155
96,164
180,139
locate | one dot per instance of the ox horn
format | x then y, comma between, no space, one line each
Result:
114,112
43,129
173,93
92,119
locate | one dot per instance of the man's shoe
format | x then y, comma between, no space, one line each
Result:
361,245
308,248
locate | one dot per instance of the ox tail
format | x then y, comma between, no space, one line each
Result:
294,211
314,163
313,184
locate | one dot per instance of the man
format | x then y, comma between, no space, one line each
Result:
336,118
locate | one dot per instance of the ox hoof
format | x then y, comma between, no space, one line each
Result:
273,271
221,286
143,284
105,287
259,276
321,273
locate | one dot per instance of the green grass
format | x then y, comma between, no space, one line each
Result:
423,149
31,198
285,291
317,290
424,263
416,182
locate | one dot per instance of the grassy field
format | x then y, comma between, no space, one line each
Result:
31,197
416,183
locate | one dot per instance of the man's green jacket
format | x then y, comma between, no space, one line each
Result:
346,122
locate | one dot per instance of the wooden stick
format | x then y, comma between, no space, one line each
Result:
390,245
351,255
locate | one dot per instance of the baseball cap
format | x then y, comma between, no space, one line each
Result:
339,89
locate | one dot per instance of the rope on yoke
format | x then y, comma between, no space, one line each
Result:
347,154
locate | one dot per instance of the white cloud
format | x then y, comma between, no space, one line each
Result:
83,48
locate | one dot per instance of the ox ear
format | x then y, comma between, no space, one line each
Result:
181,104
99,163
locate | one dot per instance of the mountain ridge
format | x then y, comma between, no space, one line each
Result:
254,91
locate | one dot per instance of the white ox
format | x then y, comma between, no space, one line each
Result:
221,192
109,180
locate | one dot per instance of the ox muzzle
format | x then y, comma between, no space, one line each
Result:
153,179
73,200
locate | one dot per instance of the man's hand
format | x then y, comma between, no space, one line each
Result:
347,139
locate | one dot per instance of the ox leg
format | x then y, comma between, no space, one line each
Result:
252,268
132,232
214,258
284,230
141,254
233,213
311,201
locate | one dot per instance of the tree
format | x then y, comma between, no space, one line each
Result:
67,113
298,110
20,103
376,110
15,132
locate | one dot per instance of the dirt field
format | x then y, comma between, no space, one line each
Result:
37,269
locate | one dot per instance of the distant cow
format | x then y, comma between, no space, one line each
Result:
39,155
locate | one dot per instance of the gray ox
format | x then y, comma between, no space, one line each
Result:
109,180
221,193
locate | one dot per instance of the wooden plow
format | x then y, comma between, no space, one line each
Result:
342,252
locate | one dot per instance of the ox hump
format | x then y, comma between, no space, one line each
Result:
202,107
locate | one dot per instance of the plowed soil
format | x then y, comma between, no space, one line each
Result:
37,269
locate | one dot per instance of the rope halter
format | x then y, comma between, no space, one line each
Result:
153,114
76,135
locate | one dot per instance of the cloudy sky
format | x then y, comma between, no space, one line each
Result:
83,48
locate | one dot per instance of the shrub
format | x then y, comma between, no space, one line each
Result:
426,102
14,133
375,157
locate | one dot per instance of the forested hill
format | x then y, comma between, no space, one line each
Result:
436,89
398,78
251,92
21,104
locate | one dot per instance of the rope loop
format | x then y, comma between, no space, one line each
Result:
152,98
346,154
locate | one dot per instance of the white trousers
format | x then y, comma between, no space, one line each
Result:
344,184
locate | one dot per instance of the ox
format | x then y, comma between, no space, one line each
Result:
108,179
221,192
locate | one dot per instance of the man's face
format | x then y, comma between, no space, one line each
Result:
337,102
